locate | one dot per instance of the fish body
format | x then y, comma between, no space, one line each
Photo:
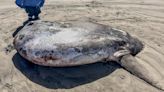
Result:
74,43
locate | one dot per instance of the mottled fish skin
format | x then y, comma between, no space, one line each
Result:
71,44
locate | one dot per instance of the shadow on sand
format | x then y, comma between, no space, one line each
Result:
19,28
64,78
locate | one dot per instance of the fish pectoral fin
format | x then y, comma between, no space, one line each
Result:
131,64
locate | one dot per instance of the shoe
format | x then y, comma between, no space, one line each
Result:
36,18
30,19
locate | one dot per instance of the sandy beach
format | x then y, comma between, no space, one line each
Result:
143,19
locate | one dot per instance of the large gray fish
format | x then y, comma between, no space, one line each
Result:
77,43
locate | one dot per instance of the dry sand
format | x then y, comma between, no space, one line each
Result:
143,19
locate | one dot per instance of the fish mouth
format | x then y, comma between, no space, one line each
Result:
136,46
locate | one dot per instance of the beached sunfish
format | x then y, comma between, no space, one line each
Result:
78,43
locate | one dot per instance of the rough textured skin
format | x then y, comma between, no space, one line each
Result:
70,44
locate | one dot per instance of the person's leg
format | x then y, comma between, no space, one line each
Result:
37,11
30,12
